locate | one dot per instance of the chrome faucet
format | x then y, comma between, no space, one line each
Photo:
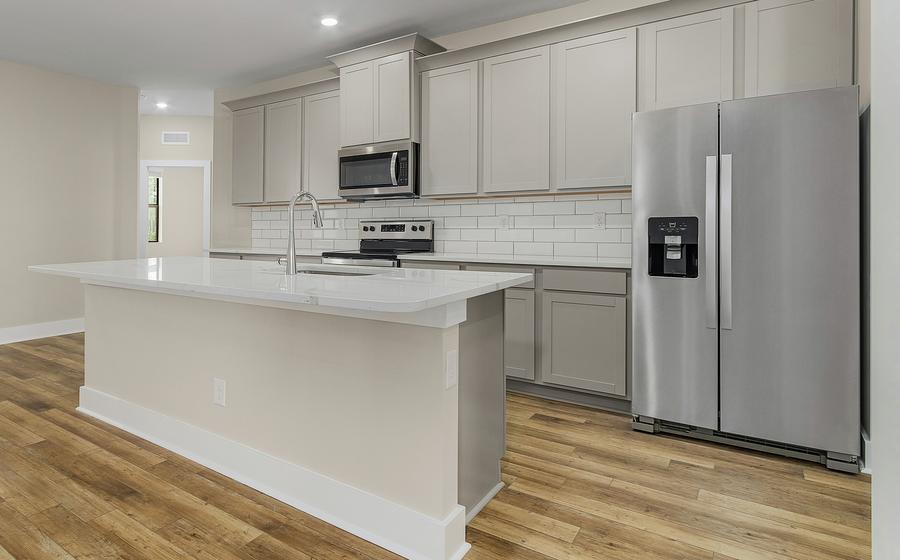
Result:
291,267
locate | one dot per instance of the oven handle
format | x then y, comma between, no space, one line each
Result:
394,168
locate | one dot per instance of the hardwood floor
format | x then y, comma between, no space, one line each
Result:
580,484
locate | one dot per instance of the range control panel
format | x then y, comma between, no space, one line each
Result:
406,229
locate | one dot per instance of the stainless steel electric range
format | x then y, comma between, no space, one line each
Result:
382,242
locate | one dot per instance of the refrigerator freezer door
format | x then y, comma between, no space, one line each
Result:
790,361
674,318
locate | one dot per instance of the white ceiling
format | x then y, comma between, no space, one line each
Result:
195,44
181,102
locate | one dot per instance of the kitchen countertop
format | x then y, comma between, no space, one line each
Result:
392,290
524,260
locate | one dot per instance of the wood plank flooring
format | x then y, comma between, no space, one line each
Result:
580,484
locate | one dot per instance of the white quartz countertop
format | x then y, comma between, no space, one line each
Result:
392,290
524,260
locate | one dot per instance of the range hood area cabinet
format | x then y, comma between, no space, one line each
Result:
379,97
279,147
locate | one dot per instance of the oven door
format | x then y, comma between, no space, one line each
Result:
379,171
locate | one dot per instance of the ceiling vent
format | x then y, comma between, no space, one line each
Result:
178,138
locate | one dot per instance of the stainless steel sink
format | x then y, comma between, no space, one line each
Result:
332,272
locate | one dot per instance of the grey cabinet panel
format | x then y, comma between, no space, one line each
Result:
578,280
321,142
247,155
518,341
282,150
392,75
357,104
584,341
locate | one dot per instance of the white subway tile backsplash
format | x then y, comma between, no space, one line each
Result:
460,247
553,208
477,210
543,249
515,234
575,249
553,235
476,234
598,236
594,206
562,225
496,247
447,210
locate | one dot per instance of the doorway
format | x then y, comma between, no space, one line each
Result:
173,208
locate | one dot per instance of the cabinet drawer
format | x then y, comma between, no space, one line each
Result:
596,281
429,264
503,268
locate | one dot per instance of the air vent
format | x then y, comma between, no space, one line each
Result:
182,138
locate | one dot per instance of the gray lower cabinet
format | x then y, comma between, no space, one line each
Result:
518,342
584,341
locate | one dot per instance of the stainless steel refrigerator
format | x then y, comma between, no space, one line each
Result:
746,273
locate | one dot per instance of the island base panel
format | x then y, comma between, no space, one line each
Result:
351,420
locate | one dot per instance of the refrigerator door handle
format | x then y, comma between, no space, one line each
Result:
725,239
712,184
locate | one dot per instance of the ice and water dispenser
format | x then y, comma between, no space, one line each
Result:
673,246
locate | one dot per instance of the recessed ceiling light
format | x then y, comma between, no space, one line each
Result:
329,21
162,105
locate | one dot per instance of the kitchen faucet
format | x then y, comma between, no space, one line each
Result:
291,267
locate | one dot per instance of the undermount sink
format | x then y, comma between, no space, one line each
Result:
333,272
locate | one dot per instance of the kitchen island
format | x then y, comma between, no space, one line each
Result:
372,399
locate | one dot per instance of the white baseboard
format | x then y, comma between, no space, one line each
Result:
470,515
392,526
9,335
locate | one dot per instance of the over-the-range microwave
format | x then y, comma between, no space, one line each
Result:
385,170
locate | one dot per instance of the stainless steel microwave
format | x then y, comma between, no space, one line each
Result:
386,170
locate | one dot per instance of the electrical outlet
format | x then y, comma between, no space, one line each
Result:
452,368
218,391
600,220
504,222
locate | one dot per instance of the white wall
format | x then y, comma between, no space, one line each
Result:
885,278
68,154
181,213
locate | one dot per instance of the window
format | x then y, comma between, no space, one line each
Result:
153,211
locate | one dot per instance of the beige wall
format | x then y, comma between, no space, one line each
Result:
884,321
68,151
201,129
181,213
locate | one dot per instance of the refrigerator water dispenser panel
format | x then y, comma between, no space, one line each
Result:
673,246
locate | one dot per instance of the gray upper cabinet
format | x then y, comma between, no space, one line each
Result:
518,335
357,104
516,131
594,95
795,45
687,60
450,130
376,100
321,142
584,341
283,150
393,77
248,129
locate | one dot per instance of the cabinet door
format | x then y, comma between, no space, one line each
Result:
584,341
392,75
321,142
518,333
594,81
248,128
357,104
450,130
687,60
516,104
796,45
283,151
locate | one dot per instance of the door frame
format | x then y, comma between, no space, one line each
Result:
143,198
